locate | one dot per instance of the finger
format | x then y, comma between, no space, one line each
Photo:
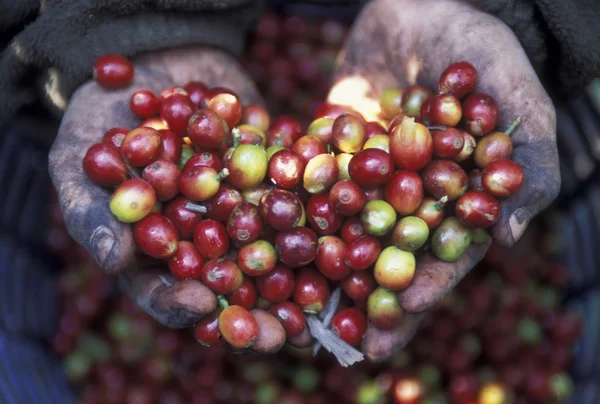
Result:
271,334
304,340
434,279
379,345
176,304
92,112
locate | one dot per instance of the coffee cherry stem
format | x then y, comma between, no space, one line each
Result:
237,136
194,207
222,175
513,126
222,301
436,127
326,315
439,205
132,171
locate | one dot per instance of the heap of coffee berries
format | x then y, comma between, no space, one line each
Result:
267,215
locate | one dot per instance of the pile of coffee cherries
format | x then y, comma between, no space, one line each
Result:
291,60
268,215
500,337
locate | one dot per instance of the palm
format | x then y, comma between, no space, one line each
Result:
398,43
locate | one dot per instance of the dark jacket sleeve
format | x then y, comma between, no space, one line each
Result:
53,54
561,38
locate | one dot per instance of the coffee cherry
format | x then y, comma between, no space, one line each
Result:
244,224
358,285
201,183
411,145
289,125
238,327
290,316
478,209
371,168
278,285
352,229
113,71
141,146
156,236
495,146
383,309
206,331
222,276
296,247
253,195
343,161
330,258
322,216
228,106
132,200
431,211
308,147
187,262
183,219
391,102
286,169
362,253
104,166
394,268
171,90
347,198
320,173
445,178
250,135
458,79
207,130
381,142
404,192
154,123
248,166
445,109
322,129
211,239
348,133
257,258
114,137
144,104
176,111
327,110
350,325
481,114
280,209
256,116
245,295
196,90
172,146
410,233
311,292
378,218
223,203
502,178
450,240
448,143
163,175
374,194
413,98
204,159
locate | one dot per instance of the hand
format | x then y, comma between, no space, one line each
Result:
93,110
397,42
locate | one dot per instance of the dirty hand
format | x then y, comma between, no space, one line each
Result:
396,42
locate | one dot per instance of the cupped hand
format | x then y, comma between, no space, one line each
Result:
93,110
395,43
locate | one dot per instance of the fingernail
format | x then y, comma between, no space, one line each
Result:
101,243
518,223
